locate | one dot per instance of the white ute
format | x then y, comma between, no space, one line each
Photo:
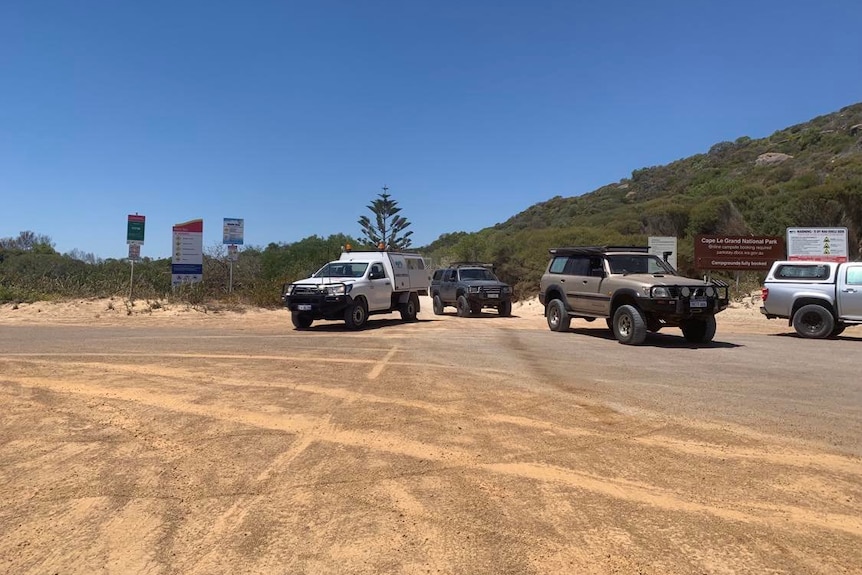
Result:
359,284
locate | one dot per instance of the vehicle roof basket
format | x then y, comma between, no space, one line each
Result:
597,250
470,265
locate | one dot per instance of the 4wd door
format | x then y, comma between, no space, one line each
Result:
850,291
448,286
578,283
380,287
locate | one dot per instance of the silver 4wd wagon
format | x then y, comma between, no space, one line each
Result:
633,290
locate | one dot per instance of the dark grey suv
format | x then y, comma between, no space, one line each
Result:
470,287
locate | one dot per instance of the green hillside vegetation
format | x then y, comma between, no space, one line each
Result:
724,191
732,189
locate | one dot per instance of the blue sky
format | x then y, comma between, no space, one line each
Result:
293,115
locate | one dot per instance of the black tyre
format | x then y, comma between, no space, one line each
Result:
838,329
301,320
699,330
356,315
558,317
475,309
410,309
610,322
629,325
463,307
438,305
814,321
505,308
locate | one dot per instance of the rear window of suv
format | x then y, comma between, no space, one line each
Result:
802,271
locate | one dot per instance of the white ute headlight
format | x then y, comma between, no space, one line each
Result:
337,289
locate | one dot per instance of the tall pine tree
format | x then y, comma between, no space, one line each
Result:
388,227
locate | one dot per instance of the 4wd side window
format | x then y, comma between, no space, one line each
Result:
558,265
578,266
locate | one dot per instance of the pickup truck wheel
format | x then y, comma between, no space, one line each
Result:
629,325
505,309
699,330
356,315
410,310
813,321
463,307
301,320
558,317
438,305
475,309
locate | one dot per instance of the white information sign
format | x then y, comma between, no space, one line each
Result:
187,261
817,244
661,245
233,231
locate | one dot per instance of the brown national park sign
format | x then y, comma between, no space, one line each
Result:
737,252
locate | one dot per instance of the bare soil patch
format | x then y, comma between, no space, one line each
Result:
164,438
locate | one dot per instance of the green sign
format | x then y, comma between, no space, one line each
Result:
135,229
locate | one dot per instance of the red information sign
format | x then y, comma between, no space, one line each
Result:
737,252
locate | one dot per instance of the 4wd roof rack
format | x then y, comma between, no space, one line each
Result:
470,265
597,250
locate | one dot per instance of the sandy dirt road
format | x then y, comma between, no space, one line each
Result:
173,441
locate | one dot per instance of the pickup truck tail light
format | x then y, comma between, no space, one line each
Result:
764,293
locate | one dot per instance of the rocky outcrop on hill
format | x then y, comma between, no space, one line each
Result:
771,159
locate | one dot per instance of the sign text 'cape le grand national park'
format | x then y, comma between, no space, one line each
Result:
737,252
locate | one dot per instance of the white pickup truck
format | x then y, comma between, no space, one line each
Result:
819,299
359,284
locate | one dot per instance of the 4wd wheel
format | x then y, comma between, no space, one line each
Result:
301,320
558,317
699,330
505,308
356,314
410,310
629,325
814,321
838,329
438,305
463,307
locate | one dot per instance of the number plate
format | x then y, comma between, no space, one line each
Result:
304,307
493,295
697,303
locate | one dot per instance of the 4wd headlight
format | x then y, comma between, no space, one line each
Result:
506,289
710,291
660,292
338,289
474,289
